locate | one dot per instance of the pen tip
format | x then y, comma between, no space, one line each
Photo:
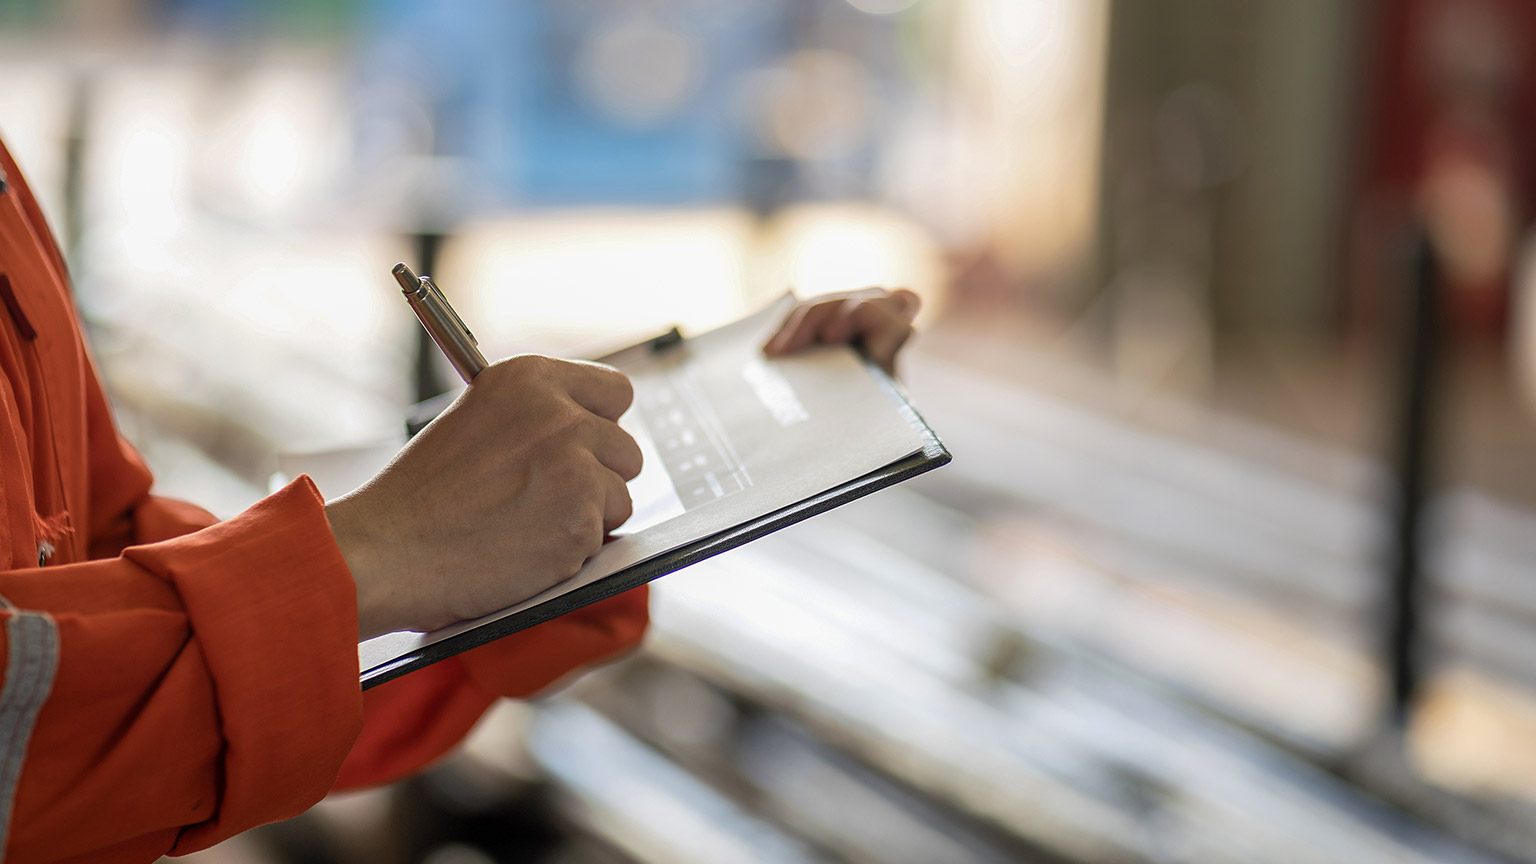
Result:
405,276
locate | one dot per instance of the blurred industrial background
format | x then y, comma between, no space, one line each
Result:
1229,324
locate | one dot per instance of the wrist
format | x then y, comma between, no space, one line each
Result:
376,613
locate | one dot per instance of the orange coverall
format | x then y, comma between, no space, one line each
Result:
168,681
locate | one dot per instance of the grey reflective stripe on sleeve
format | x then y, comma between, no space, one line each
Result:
32,640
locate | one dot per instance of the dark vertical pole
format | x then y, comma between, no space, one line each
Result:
428,383
81,92
1419,358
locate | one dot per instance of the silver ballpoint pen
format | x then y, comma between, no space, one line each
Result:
444,324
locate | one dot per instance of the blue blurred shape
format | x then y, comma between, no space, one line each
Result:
569,102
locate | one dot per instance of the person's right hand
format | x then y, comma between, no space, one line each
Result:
507,493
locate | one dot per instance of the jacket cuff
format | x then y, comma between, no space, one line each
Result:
273,609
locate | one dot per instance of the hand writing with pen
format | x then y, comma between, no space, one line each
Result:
515,485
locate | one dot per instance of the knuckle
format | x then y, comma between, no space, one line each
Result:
572,417
564,423
615,518
569,470
524,377
882,315
869,308
518,366
636,462
613,380
591,368
587,530
625,388
582,530
622,455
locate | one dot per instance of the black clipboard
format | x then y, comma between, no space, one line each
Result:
932,455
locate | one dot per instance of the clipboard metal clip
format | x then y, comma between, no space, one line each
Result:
666,340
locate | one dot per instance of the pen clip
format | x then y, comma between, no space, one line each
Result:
431,288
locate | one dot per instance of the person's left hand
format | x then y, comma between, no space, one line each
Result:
878,320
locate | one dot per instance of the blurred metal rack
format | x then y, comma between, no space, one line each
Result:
863,685
1071,757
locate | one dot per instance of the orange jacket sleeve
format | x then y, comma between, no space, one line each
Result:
229,655
168,681
415,719
210,681
207,681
